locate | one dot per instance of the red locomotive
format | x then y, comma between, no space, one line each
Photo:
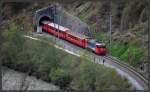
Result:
75,38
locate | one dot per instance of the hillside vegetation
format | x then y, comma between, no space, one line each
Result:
129,26
53,65
129,34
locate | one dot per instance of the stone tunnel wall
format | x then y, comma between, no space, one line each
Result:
63,18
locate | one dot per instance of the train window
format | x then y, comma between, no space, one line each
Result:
49,27
70,36
56,29
100,41
52,28
75,38
101,45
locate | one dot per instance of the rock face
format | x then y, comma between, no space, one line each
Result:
74,23
12,80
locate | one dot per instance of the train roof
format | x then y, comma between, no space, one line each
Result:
76,34
96,41
56,26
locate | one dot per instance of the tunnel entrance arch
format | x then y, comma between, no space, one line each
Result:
44,14
40,20
44,18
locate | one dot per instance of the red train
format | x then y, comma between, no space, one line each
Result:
75,38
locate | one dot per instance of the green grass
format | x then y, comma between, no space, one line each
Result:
130,53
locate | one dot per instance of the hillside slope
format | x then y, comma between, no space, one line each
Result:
129,24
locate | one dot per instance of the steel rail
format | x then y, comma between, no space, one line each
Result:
130,69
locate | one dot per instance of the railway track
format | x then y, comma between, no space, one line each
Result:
130,70
124,67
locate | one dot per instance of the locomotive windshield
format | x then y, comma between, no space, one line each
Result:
101,44
97,43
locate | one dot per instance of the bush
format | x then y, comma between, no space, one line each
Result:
13,43
129,53
84,76
99,36
90,76
104,81
117,49
132,55
60,77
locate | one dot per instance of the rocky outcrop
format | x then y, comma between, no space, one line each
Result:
70,21
13,80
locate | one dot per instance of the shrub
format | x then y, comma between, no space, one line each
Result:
60,77
99,36
84,76
13,43
129,53
104,81
132,55
90,76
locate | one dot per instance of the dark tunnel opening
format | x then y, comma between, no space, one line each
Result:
44,18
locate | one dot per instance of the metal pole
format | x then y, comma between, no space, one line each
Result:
148,40
58,25
58,14
110,28
58,21
55,19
